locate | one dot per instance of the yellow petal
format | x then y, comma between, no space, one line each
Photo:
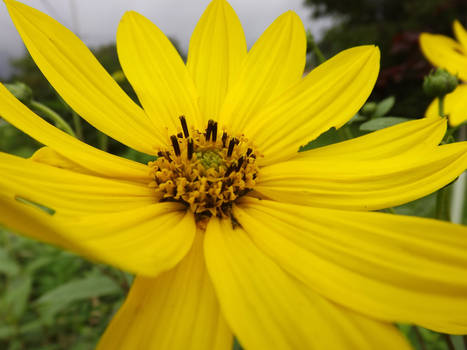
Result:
349,183
269,309
47,155
70,193
405,138
455,106
328,97
80,79
94,160
275,62
176,310
444,52
145,241
217,50
461,34
29,221
156,72
390,267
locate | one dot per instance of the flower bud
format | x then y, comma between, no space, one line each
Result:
21,91
439,83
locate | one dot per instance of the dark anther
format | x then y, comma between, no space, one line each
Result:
229,170
160,154
175,144
167,155
239,163
224,139
248,151
214,131
180,135
237,141
231,147
190,149
184,126
209,129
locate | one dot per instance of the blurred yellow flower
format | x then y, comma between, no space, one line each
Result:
451,55
230,230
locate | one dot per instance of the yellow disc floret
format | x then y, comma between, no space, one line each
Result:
203,171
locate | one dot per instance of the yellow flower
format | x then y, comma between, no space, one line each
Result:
230,230
451,55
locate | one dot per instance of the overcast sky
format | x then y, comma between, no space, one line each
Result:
95,21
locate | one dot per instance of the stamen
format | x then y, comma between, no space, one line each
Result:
239,164
175,145
205,175
214,131
231,147
229,170
190,149
209,129
184,126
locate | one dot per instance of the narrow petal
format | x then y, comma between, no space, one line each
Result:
47,155
390,267
96,161
217,50
455,106
327,97
275,62
176,310
444,52
29,221
269,309
411,137
70,193
363,185
80,79
461,34
145,241
156,72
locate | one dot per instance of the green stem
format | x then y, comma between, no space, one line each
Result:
442,204
458,191
77,125
449,342
314,48
53,116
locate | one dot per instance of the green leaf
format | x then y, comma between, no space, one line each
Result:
381,123
59,298
15,299
8,266
384,107
7,332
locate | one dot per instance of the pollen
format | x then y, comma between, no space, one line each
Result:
205,171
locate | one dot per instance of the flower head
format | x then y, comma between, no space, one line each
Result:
451,55
229,229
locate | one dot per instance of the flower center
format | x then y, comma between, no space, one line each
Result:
205,172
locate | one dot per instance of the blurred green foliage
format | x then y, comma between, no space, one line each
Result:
393,25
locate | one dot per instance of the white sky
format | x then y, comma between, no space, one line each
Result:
96,21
